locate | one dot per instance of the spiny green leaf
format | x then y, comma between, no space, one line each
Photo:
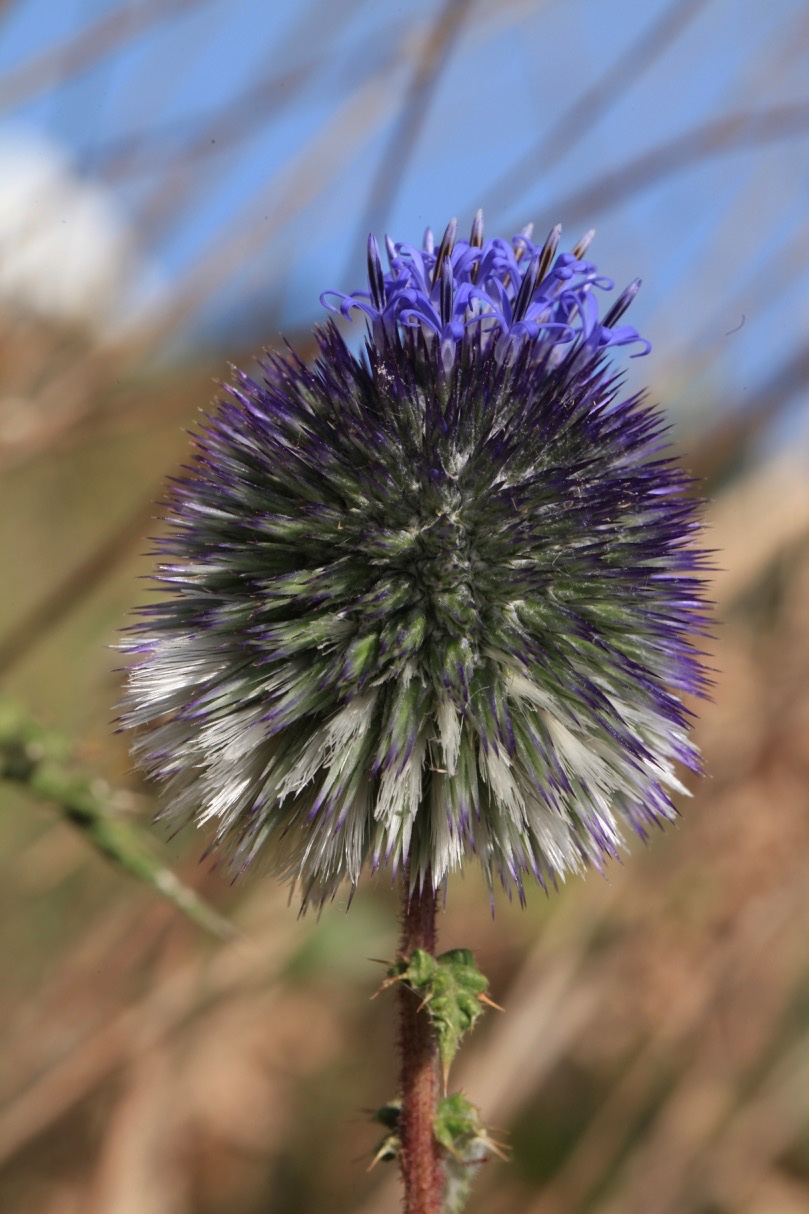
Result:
452,990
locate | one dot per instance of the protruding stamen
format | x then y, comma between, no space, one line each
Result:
527,288
390,249
476,242
549,250
581,248
376,279
447,292
621,304
429,241
446,247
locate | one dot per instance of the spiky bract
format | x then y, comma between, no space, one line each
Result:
433,600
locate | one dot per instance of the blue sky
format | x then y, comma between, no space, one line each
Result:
280,197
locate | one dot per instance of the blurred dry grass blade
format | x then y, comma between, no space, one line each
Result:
720,136
725,445
415,107
565,130
292,188
186,140
113,30
218,131
677,1130
188,170
191,985
80,582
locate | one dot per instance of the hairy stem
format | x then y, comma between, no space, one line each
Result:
420,1158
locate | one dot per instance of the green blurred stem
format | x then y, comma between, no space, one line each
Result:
37,760
420,1151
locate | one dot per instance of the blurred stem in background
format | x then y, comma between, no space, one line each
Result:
38,760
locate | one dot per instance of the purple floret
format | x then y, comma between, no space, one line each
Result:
508,291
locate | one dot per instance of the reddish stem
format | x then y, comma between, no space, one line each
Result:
420,1159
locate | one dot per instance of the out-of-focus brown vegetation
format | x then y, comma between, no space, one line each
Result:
654,1051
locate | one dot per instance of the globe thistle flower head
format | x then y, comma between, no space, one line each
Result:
431,601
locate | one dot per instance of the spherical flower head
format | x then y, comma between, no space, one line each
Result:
430,601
